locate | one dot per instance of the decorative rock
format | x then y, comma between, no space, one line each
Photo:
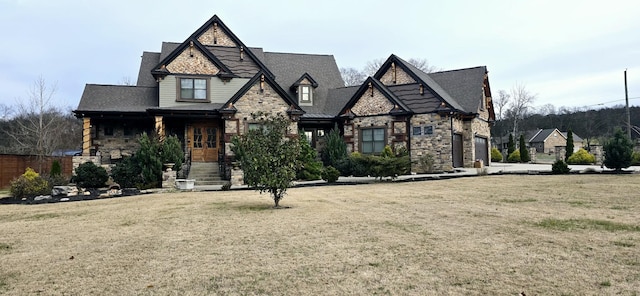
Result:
60,190
72,191
42,197
64,199
87,193
115,186
114,192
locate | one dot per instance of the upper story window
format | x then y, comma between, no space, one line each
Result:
305,95
373,140
193,89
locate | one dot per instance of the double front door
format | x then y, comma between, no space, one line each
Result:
204,141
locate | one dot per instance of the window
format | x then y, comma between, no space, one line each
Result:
305,94
193,89
428,130
373,140
417,130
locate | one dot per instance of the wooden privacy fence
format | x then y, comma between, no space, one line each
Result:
12,166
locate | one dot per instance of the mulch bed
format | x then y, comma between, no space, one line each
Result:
94,194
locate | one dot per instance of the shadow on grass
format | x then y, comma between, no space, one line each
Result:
572,224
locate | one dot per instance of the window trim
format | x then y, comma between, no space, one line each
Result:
179,89
308,102
361,142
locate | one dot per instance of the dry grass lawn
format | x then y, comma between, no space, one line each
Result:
492,235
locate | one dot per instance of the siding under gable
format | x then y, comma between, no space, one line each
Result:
220,92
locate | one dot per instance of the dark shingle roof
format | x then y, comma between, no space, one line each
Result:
409,94
149,60
337,98
542,135
230,57
463,85
117,98
289,67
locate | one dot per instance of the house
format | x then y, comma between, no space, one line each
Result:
546,140
205,89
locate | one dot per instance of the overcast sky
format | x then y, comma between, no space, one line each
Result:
569,53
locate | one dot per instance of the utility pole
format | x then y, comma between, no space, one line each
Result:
626,96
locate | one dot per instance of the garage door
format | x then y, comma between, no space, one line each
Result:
482,150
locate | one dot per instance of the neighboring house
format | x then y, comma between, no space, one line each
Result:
205,89
546,140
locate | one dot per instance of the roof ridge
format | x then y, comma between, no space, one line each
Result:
120,85
293,53
454,70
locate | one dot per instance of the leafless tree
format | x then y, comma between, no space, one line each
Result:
372,67
5,112
125,80
521,101
501,102
546,109
352,76
423,65
38,124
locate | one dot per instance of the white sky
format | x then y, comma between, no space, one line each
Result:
569,53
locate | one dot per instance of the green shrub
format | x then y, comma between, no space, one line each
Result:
426,163
171,152
514,156
496,155
29,184
335,149
560,167
57,180
635,158
89,175
330,174
387,152
618,151
524,151
56,168
310,168
581,157
128,173
149,158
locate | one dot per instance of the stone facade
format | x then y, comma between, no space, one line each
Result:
372,105
437,143
215,36
401,77
382,121
192,61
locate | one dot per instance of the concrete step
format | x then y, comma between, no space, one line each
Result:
207,183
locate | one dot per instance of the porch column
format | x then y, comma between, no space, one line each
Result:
86,136
160,128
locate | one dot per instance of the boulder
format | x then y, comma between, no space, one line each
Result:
42,197
59,190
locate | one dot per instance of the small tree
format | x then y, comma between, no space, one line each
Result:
524,152
150,161
570,147
618,151
268,158
29,184
514,156
335,150
496,156
511,145
171,152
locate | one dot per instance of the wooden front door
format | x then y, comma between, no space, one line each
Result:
204,141
457,151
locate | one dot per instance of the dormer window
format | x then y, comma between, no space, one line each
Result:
305,95
193,89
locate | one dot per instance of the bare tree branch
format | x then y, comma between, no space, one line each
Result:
352,76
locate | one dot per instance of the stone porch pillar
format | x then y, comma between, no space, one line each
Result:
160,128
86,136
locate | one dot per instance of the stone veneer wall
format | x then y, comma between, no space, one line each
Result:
401,77
221,38
367,105
116,146
437,144
196,64
267,101
382,121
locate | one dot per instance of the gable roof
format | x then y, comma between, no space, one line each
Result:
303,77
160,70
117,98
269,80
543,134
221,25
375,83
422,78
465,85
